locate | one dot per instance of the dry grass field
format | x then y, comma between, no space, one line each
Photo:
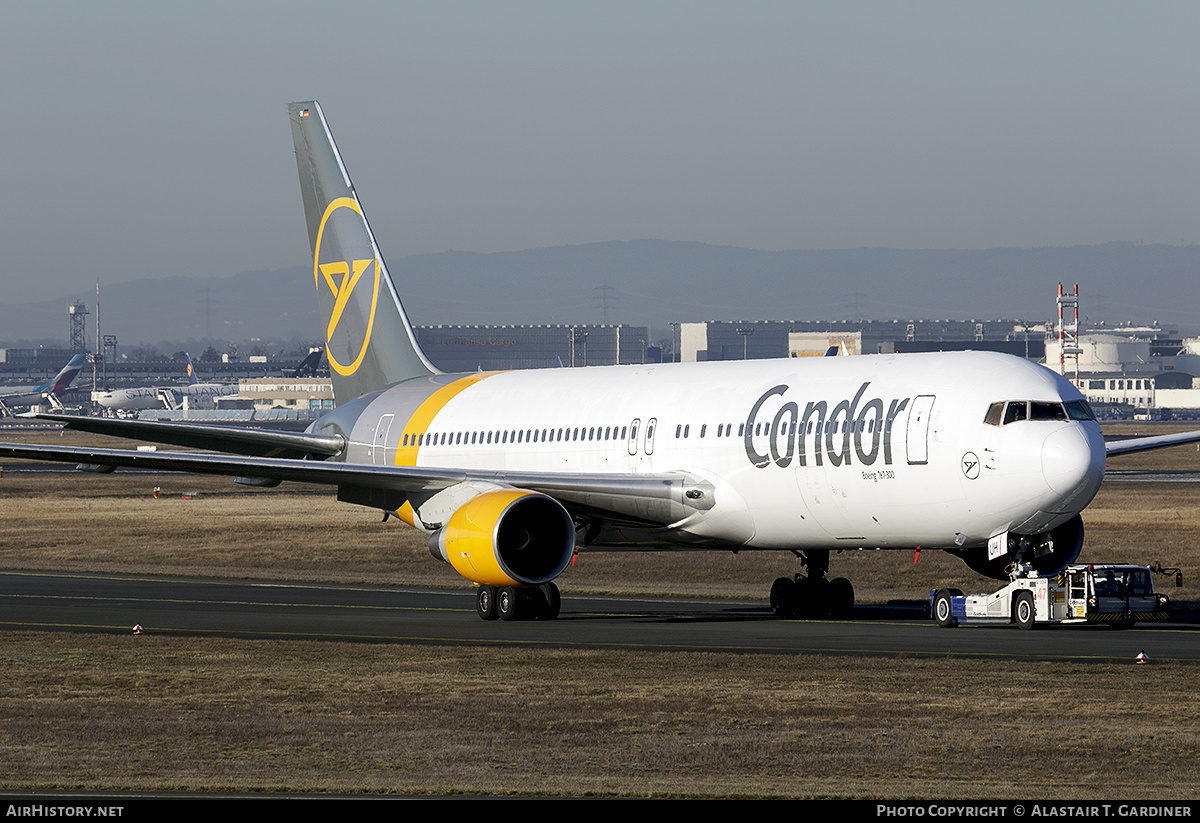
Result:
155,712
206,714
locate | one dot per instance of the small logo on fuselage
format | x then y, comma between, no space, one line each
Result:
342,277
970,465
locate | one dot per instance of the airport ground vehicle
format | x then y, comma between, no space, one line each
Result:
1117,594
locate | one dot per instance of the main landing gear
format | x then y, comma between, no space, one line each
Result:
812,595
518,602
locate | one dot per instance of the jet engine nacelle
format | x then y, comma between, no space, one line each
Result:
507,537
1048,552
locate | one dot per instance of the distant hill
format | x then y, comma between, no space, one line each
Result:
654,283
247,305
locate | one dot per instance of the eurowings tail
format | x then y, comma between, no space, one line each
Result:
370,343
63,380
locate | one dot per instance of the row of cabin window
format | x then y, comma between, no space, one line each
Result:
683,430
829,426
515,436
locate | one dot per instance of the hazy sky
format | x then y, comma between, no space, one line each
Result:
151,139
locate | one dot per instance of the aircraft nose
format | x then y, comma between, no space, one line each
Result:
1073,461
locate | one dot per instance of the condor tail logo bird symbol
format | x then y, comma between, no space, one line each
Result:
342,278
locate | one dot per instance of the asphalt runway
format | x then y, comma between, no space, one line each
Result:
114,604
1151,476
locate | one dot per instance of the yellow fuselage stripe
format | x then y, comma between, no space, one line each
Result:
421,419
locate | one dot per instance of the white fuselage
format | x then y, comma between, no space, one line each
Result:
22,395
197,391
145,397
150,397
887,451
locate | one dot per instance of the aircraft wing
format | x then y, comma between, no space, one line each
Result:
231,439
654,499
1139,444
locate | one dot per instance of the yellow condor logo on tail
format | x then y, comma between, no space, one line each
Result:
349,272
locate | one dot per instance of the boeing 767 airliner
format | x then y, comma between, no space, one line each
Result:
987,456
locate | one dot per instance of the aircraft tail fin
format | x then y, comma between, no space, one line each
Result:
191,371
63,380
370,343
309,365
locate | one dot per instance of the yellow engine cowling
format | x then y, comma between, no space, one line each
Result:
508,537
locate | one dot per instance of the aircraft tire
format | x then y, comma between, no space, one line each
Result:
943,610
812,597
783,597
840,597
552,603
1023,612
506,603
485,602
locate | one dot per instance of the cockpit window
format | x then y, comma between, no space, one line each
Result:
1015,411
1080,410
1001,414
1046,411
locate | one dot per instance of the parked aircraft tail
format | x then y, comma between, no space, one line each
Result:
370,343
309,365
191,372
63,380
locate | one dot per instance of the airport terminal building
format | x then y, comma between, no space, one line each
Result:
485,348
471,348
760,339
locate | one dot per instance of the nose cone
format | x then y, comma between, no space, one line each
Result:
1073,464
